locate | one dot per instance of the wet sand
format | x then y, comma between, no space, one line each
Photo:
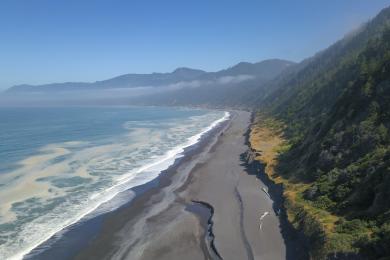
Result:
164,222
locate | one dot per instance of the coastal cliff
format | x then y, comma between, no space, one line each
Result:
309,231
334,162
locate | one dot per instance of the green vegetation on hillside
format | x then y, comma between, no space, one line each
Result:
337,116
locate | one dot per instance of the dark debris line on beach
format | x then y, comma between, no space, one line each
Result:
209,234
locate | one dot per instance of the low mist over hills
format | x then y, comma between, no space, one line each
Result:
123,81
335,109
155,88
316,133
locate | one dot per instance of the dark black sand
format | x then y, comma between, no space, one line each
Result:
162,221
77,238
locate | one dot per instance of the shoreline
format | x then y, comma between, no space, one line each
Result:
67,242
193,210
111,243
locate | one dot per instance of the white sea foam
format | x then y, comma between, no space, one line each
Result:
40,230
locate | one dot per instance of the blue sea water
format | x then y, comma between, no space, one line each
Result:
59,165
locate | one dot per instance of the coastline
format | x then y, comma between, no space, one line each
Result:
208,205
65,243
129,229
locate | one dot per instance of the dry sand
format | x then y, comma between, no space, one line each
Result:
164,223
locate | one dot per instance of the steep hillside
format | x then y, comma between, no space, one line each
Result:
336,112
308,89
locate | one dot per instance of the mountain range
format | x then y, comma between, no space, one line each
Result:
334,109
335,112
265,70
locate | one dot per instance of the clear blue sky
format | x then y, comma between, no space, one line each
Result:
43,41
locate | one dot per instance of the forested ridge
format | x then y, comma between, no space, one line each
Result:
336,112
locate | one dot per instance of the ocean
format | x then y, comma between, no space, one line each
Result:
62,165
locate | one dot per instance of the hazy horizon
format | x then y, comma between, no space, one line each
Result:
195,130
84,42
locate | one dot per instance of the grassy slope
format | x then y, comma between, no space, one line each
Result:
336,166
266,138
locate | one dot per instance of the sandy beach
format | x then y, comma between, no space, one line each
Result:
208,206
